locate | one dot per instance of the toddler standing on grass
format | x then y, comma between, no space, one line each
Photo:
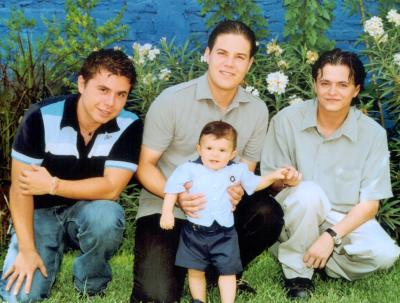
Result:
210,238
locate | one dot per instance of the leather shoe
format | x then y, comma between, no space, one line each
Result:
243,286
299,288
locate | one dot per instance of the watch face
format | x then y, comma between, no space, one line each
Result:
337,240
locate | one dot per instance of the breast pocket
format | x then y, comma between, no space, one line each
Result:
347,185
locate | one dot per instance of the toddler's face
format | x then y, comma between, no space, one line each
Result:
215,153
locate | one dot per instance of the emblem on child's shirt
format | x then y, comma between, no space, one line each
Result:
232,179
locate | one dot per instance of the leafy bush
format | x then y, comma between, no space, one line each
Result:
382,36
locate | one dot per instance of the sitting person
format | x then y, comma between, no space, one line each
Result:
343,155
71,158
210,238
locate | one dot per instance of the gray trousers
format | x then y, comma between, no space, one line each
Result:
308,213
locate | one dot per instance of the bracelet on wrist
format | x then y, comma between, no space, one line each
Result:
53,185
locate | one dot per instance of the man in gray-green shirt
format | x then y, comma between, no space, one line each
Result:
172,127
343,159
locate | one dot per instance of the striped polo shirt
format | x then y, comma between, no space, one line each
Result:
49,136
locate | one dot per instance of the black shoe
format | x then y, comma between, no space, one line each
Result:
299,288
322,274
242,286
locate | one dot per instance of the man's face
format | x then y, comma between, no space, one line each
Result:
334,88
102,97
228,62
215,153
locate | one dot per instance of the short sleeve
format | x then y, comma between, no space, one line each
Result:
125,152
375,182
248,179
175,183
252,150
28,146
275,152
159,124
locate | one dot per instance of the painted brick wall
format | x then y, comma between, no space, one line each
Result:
149,20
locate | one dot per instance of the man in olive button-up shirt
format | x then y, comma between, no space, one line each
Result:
342,156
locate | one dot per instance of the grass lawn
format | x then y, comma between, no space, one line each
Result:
264,274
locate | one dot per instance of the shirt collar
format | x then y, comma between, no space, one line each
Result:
70,117
348,128
198,161
203,92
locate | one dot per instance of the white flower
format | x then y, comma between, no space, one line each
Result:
148,79
396,59
374,27
257,43
136,45
277,82
255,92
117,47
203,59
249,88
274,49
164,74
152,53
252,90
394,17
163,39
293,99
146,47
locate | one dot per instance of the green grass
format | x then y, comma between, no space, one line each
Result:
264,274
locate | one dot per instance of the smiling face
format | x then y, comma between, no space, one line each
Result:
215,153
228,62
335,89
102,98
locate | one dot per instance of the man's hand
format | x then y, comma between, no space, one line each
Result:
23,268
36,181
319,253
236,193
191,203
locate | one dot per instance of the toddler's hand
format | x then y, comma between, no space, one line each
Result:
280,173
167,221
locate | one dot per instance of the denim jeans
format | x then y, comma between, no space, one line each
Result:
94,227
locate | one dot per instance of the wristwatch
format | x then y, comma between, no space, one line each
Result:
336,239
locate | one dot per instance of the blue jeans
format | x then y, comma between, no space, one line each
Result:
94,227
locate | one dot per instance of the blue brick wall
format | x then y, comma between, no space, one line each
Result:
149,20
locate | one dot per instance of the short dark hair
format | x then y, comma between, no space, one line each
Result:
233,27
112,60
339,57
220,129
